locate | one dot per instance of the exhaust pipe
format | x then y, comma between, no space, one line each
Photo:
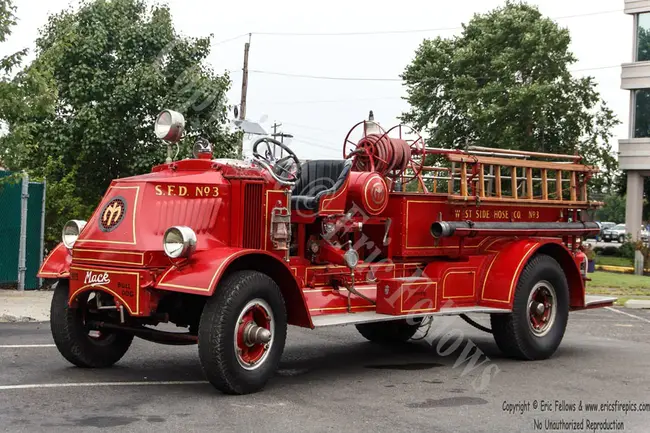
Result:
445,229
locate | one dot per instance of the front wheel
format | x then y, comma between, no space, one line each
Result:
540,312
621,239
75,341
242,333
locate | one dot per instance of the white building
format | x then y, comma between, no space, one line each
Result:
634,152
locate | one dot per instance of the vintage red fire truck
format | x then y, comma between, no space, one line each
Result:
393,233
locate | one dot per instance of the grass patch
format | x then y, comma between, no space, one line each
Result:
610,283
614,261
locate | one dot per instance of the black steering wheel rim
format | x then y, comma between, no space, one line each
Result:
272,164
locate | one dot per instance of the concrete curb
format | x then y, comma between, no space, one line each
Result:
28,306
638,304
6,318
620,269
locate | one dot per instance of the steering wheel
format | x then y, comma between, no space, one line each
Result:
285,170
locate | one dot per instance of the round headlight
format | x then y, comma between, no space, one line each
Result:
351,258
71,231
179,241
170,126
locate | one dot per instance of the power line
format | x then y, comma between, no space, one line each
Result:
380,79
322,77
428,30
596,68
297,125
325,101
234,38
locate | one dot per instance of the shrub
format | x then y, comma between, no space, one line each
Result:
608,251
627,250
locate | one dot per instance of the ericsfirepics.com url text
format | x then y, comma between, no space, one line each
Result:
563,406
557,414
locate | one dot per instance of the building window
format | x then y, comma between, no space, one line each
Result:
642,113
643,37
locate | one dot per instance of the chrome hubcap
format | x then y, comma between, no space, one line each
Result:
254,334
542,308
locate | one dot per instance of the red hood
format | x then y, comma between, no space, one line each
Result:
131,219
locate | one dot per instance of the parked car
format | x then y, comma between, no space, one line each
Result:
644,234
616,233
604,225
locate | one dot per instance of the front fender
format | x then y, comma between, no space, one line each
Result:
56,264
202,273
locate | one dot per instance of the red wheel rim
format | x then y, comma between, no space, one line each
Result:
542,308
254,334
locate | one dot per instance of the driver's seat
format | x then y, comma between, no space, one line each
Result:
319,179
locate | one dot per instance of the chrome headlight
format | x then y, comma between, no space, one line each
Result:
71,231
351,258
179,241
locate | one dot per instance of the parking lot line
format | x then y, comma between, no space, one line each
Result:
25,346
91,384
628,314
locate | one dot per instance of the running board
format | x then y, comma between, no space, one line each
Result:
595,301
371,316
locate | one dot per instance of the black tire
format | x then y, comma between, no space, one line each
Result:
392,332
71,335
621,239
220,360
513,332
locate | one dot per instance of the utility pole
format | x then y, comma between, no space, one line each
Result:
275,134
244,88
282,136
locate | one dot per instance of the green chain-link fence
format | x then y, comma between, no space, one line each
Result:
11,196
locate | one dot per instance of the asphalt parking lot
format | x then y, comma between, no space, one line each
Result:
333,380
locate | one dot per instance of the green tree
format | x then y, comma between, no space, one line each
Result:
504,82
8,89
613,210
104,71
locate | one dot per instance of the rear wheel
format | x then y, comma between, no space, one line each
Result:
396,331
77,343
540,312
242,333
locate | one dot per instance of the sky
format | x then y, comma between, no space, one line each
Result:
319,112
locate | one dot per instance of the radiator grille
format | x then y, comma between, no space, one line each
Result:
252,216
200,214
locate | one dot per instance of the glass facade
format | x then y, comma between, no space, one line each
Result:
642,113
643,37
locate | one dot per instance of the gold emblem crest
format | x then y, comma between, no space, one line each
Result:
112,214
